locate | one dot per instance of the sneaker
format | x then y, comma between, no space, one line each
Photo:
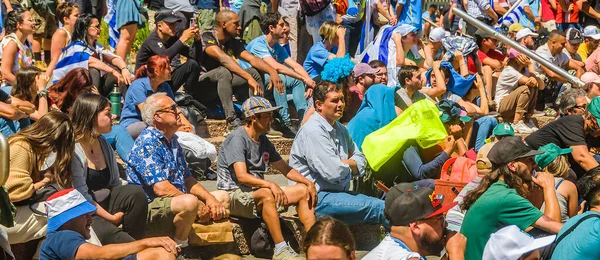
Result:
41,65
522,128
550,112
231,126
531,125
287,254
289,130
274,133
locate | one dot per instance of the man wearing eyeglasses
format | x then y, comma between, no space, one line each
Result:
571,132
156,162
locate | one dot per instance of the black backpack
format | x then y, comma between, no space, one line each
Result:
548,251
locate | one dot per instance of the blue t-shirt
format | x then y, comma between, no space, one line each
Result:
315,59
583,242
137,93
62,244
208,4
260,48
410,13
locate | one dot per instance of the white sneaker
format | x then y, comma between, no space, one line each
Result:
287,254
522,128
531,125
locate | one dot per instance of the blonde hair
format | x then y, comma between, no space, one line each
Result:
559,167
328,31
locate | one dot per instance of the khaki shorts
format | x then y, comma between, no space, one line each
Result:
160,217
242,204
45,24
206,19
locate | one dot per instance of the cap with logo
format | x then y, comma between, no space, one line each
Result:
574,36
437,34
591,31
256,105
503,129
551,152
166,15
451,112
407,202
362,69
594,108
64,206
511,243
509,149
484,166
524,33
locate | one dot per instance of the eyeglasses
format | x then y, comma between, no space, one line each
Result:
582,107
97,26
172,109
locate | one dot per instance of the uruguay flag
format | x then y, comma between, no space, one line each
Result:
367,29
111,21
514,14
75,55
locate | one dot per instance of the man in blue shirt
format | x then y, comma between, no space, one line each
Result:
157,163
295,78
325,154
69,222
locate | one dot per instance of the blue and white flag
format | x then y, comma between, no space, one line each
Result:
514,16
75,55
367,29
111,21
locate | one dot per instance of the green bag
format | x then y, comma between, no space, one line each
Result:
420,121
7,209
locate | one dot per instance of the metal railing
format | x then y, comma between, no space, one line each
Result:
4,159
501,37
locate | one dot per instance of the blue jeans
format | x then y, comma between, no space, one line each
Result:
351,208
482,128
10,127
296,88
120,140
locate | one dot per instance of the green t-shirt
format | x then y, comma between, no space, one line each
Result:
498,207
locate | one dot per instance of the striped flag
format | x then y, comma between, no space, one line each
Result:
111,21
367,29
512,17
75,55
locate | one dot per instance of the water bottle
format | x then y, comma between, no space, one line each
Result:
115,100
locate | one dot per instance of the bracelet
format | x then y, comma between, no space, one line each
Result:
121,69
42,93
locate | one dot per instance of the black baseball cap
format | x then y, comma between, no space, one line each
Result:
407,202
166,15
509,149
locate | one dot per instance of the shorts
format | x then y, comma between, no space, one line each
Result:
45,24
242,204
206,19
160,217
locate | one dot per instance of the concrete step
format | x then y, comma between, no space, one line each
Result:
282,144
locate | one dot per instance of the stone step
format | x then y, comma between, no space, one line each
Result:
282,144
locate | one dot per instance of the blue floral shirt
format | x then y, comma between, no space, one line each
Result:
153,159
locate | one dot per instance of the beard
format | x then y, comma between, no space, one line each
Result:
432,245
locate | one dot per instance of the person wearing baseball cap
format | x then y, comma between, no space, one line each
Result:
69,223
243,160
592,84
591,41
574,40
435,48
572,131
364,77
500,198
418,226
525,37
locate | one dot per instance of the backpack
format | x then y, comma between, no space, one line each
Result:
313,7
459,169
193,110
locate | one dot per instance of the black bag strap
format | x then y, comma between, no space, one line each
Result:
575,226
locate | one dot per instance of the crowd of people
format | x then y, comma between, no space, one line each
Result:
382,98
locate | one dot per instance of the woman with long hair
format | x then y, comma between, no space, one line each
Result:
16,51
64,92
31,87
329,238
332,35
149,79
106,69
96,174
67,14
34,175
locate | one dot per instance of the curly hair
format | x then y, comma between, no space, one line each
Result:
338,69
12,19
330,231
511,179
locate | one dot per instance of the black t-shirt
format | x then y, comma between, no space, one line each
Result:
233,47
587,20
565,132
154,45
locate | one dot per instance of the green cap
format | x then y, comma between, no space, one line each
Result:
551,152
594,108
504,129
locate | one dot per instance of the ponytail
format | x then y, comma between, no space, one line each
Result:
141,72
154,64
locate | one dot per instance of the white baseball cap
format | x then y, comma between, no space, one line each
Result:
592,32
405,29
437,34
510,243
524,33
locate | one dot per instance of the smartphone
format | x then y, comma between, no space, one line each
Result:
193,21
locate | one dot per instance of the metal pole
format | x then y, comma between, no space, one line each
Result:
431,22
501,37
4,159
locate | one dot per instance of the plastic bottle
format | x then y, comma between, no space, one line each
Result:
115,100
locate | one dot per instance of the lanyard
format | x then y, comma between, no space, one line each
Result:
401,244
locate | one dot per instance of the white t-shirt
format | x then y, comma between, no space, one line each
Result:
389,249
560,60
507,82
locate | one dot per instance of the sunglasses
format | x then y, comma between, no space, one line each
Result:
172,109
